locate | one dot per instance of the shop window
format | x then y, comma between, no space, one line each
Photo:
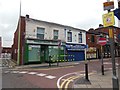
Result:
92,38
69,36
40,33
55,33
80,37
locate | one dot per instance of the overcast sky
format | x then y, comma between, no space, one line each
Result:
83,14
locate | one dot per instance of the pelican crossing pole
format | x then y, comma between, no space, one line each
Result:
102,41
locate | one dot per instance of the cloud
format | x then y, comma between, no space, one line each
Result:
83,14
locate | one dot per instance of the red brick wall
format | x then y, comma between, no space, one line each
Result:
116,31
22,40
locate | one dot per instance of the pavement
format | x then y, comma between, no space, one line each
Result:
99,81
96,79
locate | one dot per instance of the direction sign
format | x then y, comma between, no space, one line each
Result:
102,41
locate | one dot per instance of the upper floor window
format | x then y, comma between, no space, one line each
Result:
80,37
92,38
69,36
40,33
55,33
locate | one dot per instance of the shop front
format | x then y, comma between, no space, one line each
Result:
40,51
75,51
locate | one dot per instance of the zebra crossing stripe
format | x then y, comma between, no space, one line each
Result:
15,72
50,77
32,73
23,72
6,71
41,74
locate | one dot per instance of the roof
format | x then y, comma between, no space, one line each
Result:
54,24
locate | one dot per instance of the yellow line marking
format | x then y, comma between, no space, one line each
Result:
65,81
66,86
68,80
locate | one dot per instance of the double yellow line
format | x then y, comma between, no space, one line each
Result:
67,81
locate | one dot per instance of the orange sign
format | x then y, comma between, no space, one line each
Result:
108,5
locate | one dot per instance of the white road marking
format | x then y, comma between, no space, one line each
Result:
15,72
23,72
110,63
107,63
6,71
32,73
50,77
41,74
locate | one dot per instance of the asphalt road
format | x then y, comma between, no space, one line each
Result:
53,77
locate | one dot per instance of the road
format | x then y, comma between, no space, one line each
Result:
49,77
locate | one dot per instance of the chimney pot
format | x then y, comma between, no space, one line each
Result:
27,16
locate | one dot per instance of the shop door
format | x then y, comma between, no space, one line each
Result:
77,55
34,53
44,53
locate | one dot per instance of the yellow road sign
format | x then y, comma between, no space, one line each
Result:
108,19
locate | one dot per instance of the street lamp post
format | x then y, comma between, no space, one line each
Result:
19,31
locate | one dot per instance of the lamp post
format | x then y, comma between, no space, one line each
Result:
19,25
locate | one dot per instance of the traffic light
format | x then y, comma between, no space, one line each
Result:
117,13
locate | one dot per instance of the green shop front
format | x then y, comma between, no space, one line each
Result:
41,51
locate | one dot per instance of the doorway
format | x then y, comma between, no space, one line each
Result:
44,53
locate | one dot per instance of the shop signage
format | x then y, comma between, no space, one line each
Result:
75,47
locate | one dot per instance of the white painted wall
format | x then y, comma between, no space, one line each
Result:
31,31
75,33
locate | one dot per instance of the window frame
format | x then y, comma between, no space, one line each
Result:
69,36
41,34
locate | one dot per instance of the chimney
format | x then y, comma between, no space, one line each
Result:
100,25
27,16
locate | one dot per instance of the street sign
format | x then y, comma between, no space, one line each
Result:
108,19
108,5
102,41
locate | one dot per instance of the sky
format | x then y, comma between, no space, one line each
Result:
83,14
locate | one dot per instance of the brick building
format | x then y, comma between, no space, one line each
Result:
40,40
94,48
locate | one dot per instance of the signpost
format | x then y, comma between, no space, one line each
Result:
108,20
102,41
